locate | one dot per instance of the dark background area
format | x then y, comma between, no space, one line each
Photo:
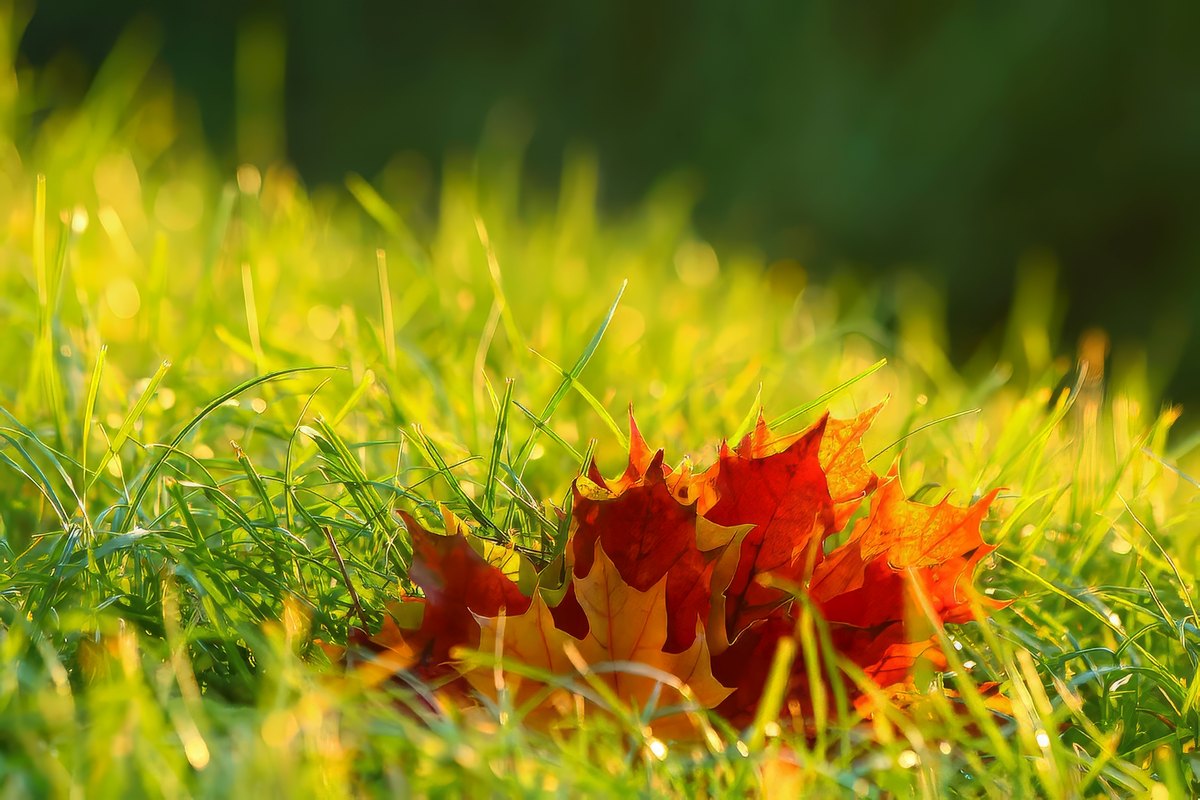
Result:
952,138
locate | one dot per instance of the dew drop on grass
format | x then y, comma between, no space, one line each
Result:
907,759
194,747
259,405
1043,739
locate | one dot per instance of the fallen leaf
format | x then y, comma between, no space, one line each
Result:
785,496
457,584
676,587
626,636
650,535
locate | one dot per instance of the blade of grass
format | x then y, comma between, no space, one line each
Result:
498,442
379,210
596,405
429,450
510,322
564,387
385,304
926,426
135,413
89,416
751,415
127,522
824,398
539,424
375,510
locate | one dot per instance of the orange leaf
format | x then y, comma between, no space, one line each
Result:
649,534
864,583
676,585
625,627
849,476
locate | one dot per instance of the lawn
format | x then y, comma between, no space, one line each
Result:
221,384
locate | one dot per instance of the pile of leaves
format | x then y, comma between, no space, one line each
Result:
676,587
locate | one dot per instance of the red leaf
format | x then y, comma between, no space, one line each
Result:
458,583
672,578
785,497
649,534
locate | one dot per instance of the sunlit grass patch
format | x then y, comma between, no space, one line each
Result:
220,387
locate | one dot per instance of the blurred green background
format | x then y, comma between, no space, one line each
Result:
960,141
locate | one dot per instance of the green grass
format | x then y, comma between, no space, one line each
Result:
218,387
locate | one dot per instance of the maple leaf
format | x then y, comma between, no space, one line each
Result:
785,496
457,583
847,473
796,491
866,581
869,589
676,584
642,459
626,626
650,535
